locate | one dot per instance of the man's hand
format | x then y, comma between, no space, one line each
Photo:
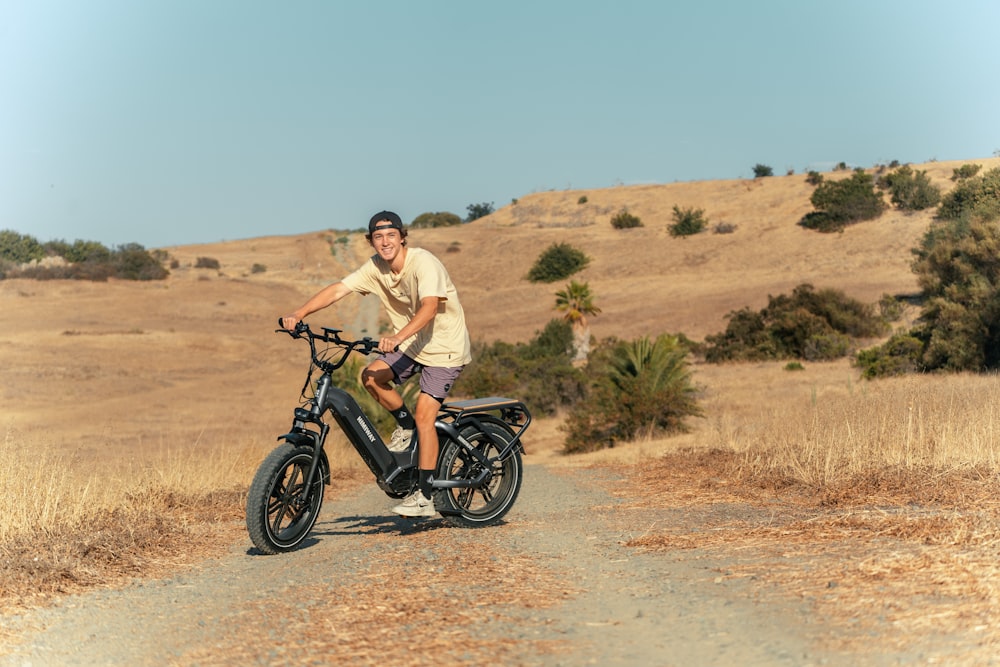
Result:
289,322
389,343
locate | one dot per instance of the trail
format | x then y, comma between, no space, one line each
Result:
554,585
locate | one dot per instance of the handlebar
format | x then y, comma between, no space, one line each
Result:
365,345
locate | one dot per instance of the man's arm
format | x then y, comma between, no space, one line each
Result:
323,298
425,313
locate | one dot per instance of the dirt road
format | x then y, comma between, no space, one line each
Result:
554,585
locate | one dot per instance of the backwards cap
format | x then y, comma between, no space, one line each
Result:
384,216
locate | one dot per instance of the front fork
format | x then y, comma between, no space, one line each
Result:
301,436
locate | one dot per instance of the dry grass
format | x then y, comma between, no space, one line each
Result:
877,501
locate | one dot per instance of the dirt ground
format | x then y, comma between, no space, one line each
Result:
555,584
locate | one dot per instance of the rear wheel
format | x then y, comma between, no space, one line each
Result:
473,508
279,513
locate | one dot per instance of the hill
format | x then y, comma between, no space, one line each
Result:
645,281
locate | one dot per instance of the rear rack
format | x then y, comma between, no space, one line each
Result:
514,413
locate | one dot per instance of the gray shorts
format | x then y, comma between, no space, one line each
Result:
436,381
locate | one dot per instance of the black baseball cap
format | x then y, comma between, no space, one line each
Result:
384,216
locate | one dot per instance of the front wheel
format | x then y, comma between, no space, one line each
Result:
473,508
279,511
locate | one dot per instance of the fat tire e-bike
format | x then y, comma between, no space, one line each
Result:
479,467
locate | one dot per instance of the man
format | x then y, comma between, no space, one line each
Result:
430,337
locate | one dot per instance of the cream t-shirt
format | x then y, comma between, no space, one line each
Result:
444,342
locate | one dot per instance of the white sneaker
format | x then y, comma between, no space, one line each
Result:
400,439
416,504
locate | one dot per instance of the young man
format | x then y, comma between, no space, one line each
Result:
430,337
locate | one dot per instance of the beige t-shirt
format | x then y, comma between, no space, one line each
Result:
444,342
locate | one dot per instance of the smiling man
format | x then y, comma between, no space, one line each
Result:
429,336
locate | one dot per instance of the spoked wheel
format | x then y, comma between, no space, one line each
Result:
279,515
473,508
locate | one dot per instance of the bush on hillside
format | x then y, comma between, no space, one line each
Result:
978,196
687,222
539,372
814,178
910,190
844,202
762,170
625,220
19,248
207,263
477,211
809,324
85,260
965,171
440,219
557,262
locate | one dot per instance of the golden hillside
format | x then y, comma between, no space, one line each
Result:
645,281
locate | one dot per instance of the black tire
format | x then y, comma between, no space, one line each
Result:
278,518
475,508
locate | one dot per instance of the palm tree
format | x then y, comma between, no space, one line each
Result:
576,302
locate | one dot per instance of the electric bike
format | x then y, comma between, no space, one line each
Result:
479,466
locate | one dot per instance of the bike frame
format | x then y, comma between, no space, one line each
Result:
395,472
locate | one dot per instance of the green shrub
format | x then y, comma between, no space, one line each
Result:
625,220
898,356
477,211
206,263
641,387
582,199
687,221
133,262
910,190
762,170
975,196
844,202
19,248
439,219
814,178
794,366
965,171
557,262
258,268
809,324
539,372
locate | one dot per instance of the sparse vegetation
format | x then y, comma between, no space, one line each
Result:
557,262
762,171
809,324
844,202
81,260
724,228
207,263
582,199
965,171
258,268
540,372
477,211
625,220
814,178
910,190
687,221
439,219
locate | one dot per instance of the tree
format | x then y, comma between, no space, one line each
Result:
477,211
762,170
576,303
910,190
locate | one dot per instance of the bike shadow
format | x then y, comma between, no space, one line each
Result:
377,525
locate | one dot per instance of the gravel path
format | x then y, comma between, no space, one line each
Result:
552,586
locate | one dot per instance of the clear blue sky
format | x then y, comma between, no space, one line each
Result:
168,122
